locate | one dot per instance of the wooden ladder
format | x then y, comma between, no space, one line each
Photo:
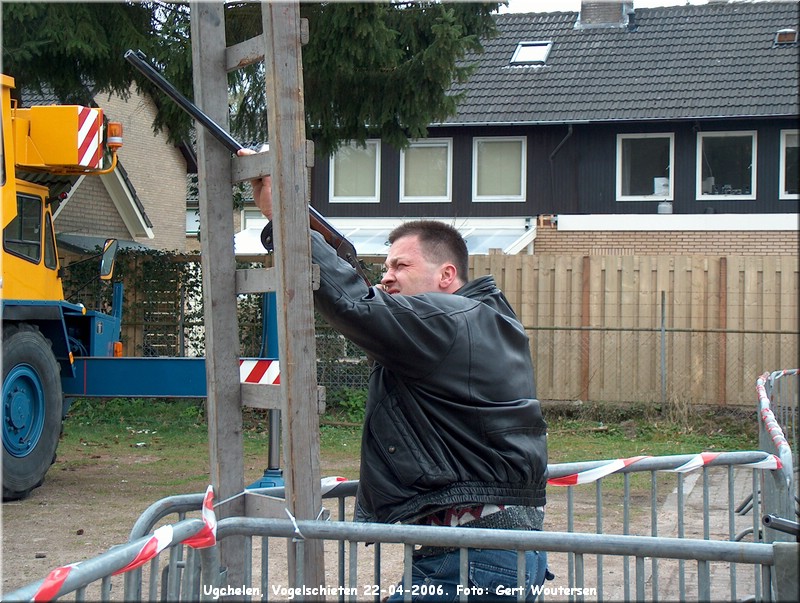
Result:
288,159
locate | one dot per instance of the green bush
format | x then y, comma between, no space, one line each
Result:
347,404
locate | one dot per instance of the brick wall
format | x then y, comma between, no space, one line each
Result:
549,240
155,167
91,211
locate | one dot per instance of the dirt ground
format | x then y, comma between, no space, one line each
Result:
86,507
80,511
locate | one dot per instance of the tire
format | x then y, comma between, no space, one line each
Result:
32,405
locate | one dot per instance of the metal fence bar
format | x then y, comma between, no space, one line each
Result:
626,518
784,392
778,490
265,564
376,570
598,497
99,569
757,575
571,561
731,528
681,534
463,555
353,565
408,553
703,580
654,525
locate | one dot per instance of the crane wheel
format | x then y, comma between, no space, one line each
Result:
32,409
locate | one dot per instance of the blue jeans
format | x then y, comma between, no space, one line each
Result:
492,576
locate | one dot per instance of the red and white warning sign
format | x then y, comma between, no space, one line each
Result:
259,371
90,150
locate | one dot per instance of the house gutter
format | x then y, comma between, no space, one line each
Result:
609,120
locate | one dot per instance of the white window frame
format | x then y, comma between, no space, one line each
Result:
524,50
433,142
355,199
251,217
654,197
783,195
700,195
476,198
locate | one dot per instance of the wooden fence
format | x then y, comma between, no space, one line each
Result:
677,329
682,330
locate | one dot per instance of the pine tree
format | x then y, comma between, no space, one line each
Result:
371,70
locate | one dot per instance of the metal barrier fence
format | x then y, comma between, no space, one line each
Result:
686,543
777,406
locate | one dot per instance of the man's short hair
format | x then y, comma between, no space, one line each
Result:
440,243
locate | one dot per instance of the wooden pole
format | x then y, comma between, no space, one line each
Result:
223,405
585,322
723,337
297,350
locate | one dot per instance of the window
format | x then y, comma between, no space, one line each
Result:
726,165
192,221
23,235
644,166
790,164
531,53
50,255
3,158
355,175
253,218
498,169
426,169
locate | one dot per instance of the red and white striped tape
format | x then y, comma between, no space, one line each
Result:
771,425
52,583
592,475
162,537
770,461
208,535
260,371
90,151
329,483
160,540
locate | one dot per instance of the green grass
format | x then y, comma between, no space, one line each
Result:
145,450
174,433
610,432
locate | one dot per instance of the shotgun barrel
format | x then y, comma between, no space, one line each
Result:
334,238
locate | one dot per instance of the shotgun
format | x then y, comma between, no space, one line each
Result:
333,237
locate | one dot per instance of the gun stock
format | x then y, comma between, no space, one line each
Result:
333,237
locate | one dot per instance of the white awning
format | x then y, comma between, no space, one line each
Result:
370,235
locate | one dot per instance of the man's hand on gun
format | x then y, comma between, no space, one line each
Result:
262,189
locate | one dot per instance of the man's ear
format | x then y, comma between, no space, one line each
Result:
447,276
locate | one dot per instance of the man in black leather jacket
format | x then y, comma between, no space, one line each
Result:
453,432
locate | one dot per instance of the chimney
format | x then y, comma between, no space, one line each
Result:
604,13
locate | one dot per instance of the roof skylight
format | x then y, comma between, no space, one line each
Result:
531,53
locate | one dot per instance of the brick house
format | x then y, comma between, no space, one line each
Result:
612,130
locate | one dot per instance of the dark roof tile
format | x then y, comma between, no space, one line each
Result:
681,62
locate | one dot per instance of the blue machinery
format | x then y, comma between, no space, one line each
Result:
173,377
273,476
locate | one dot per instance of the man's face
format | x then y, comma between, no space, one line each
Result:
407,270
